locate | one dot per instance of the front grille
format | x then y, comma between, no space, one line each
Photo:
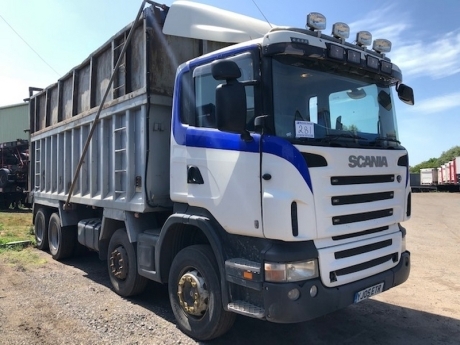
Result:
361,198
366,179
363,266
361,217
363,249
361,233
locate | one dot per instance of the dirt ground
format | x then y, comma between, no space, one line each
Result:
72,303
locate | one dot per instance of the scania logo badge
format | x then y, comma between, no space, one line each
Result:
367,161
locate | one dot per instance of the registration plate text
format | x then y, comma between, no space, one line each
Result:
369,292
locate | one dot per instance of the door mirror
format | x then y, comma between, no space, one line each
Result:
405,94
230,98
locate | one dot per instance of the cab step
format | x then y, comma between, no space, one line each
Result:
247,309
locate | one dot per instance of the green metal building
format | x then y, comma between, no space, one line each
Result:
14,122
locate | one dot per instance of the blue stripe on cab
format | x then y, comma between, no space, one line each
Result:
284,149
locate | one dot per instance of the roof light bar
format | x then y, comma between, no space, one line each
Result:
340,30
316,21
363,38
381,45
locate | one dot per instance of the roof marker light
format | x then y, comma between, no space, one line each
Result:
353,56
316,21
363,38
372,62
381,45
336,52
386,67
340,30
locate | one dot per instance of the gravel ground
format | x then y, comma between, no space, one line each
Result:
72,302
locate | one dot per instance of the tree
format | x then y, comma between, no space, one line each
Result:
437,162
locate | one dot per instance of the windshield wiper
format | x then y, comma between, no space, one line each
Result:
330,137
378,139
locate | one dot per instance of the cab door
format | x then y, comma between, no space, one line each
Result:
223,171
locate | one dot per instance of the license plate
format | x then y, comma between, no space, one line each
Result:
369,292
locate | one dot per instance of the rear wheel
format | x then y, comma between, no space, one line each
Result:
195,294
61,240
122,266
42,218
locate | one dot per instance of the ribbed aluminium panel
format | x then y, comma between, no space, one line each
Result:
127,164
113,172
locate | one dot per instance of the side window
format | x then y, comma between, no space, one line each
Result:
205,91
205,98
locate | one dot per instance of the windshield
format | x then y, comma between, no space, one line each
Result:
317,104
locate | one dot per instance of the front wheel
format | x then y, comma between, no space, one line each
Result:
122,265
195,294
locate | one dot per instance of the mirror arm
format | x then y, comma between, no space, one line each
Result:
246,137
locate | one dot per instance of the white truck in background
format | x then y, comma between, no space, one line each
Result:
428,176
255,169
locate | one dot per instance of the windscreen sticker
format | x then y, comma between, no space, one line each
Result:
304,129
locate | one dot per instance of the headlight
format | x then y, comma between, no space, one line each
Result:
291,271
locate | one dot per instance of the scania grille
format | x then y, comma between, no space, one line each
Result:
363,249
360,233
361,217
366,179
360,198
344,263
360,267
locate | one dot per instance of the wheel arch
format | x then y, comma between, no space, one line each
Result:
181,231
108,228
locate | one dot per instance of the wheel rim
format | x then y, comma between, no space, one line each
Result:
193,293
53,237
39,231
119,263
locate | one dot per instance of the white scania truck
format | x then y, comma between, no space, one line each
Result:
255,169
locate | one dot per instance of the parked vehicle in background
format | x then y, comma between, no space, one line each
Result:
454,170
256,170
428,176
14,167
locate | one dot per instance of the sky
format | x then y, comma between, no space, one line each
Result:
425,35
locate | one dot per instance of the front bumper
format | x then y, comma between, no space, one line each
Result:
279,308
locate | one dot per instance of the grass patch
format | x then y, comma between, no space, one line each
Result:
21,258
16,226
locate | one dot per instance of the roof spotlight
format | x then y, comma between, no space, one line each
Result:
381,45
316,21
340,30
363,38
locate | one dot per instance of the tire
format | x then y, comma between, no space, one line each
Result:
122,266
42,219
61,240
207,319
